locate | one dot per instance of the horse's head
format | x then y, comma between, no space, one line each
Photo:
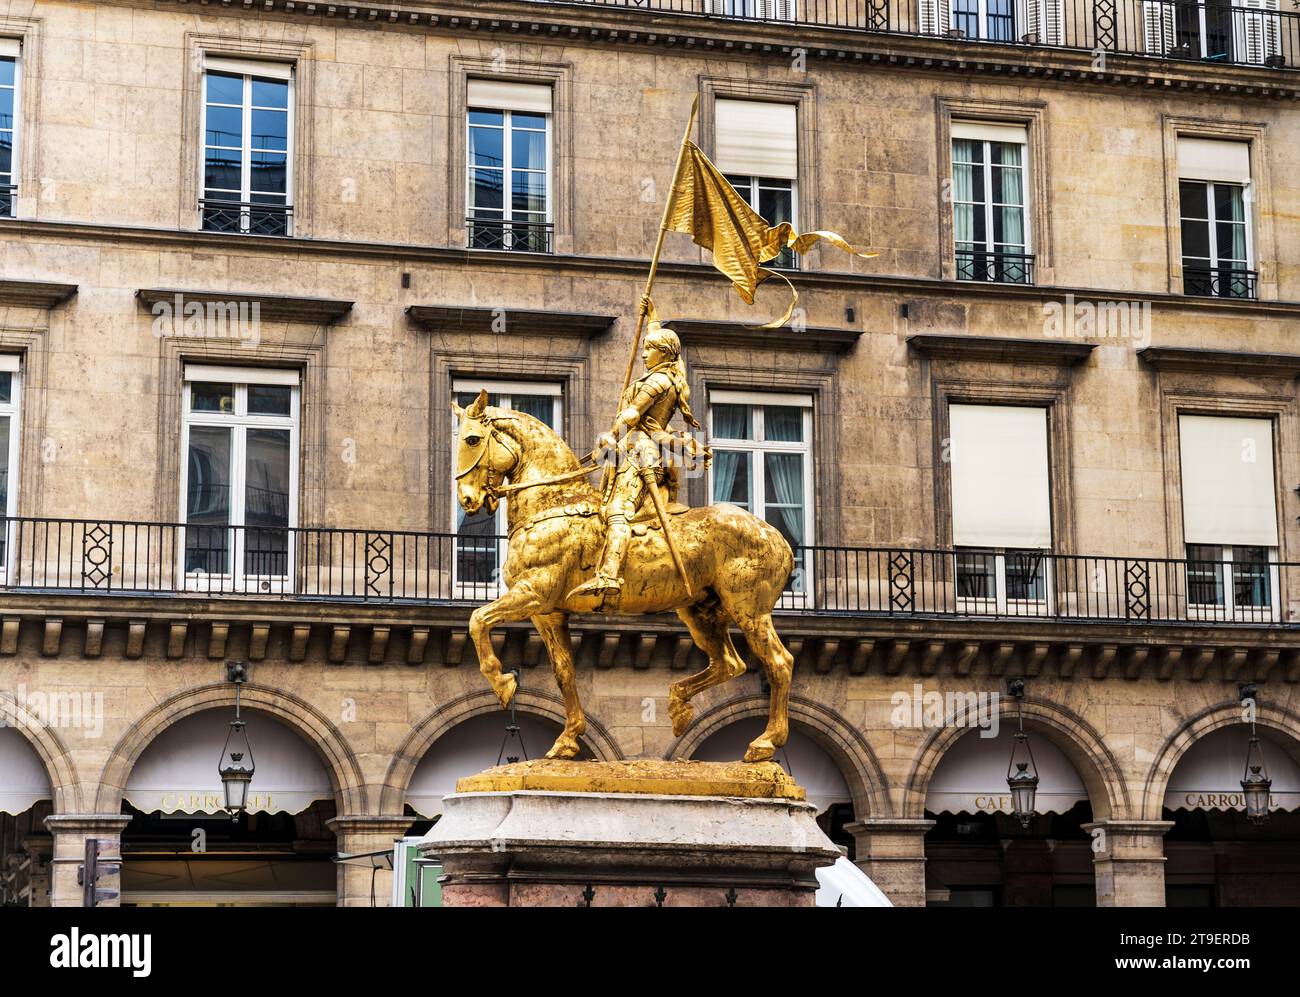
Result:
483,456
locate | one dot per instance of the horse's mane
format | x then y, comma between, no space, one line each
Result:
541,447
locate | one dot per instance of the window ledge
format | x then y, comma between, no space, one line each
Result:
509,321
1203,361
1056,353
34,293
273,307
699,332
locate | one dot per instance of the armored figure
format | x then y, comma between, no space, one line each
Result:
646,454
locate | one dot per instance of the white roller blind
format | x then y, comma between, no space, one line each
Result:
1000,489
756,138
10,362
240,375
989,131
10,48
1213,159
1228,490
507,95
248,67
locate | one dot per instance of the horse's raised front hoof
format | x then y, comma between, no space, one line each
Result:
505,687
564,747
681,713
761,750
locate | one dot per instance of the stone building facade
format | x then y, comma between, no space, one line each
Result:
1042,255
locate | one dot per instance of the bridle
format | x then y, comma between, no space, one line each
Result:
495,491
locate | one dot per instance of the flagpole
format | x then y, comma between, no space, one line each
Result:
659,246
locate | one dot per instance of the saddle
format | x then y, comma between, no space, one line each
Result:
647,519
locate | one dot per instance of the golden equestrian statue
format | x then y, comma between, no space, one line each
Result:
576,549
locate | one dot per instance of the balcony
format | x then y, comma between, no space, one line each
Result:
8,192
998,267
1158,29
249,218
394,567
514,236
1220,282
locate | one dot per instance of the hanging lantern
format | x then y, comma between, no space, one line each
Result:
1022,775
236,765
1255,783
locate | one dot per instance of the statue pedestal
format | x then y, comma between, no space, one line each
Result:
629,834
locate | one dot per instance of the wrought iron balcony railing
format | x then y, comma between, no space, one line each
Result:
518,236
114,557
246,217
1158,29
1000,267
1220,282
8,194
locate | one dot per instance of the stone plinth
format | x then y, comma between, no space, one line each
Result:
728,834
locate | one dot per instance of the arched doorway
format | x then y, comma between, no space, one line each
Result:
1214,856
806,762
26,799
182,849
979,855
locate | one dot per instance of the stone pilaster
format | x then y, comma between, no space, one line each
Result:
359,834
892,852
1129,862
70,832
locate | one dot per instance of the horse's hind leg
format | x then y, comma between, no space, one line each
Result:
779,663
708,626
554,628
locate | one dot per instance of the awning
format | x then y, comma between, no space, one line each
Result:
843,884
808,764
1208,776
469,748
23,780
177,773
972,777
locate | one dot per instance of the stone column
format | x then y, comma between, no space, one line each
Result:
1129,862
70,832
358,834
892,852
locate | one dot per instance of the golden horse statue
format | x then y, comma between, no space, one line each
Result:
738,565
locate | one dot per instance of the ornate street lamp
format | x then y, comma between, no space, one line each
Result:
512,731
236,766
1022,776
1255,783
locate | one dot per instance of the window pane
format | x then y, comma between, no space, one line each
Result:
732,422
270,172
485,147
976,576
528,151
538,406
271,130
1228,203
521,120
731,478
1026,575
783,423
783,495
271,93
967,150
485,190
1192,201
266,501
223,172
1204,575
208,397
6,386
1250,577
528,192
225,126
495,118
207,500
7,72
4,465
225,89
269,399
1196,238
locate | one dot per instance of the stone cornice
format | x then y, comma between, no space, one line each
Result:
1202,361
272,307
1051,352
275,247
34,293
699,332
610,25
200,630
509,321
